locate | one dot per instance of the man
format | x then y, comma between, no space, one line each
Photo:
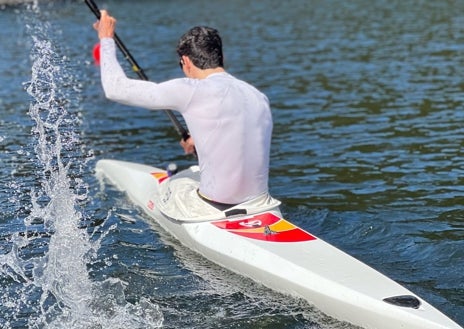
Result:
229,120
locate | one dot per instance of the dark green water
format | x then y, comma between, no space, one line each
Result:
367,153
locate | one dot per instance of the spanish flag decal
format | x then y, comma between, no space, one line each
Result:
267,227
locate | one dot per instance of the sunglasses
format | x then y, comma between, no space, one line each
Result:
181,64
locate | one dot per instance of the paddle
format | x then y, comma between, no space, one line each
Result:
137,69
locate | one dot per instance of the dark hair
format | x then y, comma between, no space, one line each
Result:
203,46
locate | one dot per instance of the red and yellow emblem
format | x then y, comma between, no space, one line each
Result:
267,227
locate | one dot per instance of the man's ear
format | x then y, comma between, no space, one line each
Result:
189,67
187,61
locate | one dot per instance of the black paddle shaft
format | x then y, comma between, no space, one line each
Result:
137,69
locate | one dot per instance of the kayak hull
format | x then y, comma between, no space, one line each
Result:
274,252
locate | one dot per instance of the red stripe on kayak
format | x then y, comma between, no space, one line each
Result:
257,221
266,227
296,235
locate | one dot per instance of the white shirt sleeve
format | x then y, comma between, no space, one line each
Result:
173,94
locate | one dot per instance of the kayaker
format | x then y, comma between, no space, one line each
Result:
229,120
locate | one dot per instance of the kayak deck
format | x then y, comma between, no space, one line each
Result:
274,252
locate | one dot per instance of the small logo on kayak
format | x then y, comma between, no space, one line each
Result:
160,176
253,223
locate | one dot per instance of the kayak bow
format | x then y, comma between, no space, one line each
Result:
278,254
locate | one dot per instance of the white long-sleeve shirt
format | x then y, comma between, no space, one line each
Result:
229,120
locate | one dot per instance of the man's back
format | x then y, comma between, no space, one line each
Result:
231,124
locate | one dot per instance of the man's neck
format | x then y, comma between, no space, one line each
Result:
203,74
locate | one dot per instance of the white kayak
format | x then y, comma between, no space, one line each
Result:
270,250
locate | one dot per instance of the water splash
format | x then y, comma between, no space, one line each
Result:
47,268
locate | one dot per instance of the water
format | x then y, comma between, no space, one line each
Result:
367,99
46,269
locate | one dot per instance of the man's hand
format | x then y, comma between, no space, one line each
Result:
105,26
188,145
